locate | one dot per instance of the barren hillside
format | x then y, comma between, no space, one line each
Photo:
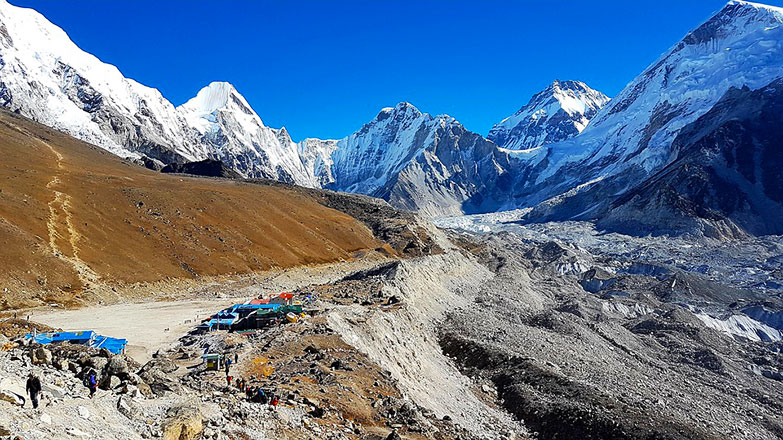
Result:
75,218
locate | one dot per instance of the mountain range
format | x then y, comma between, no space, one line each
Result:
571,153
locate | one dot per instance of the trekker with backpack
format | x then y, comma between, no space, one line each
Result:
33,388
91,382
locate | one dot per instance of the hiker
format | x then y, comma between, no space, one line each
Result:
91,382
228,365
228,380
250,393
33,388
236,358
260,396
274,401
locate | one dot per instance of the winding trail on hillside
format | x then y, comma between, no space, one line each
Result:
61,217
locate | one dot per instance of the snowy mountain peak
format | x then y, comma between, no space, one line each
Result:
403,108
560,111
731,20
753,5
217,95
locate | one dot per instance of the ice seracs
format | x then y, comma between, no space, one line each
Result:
559,112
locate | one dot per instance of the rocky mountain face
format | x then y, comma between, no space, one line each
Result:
46,77
632,137
568,154
559,112
726,179
233,133
416,161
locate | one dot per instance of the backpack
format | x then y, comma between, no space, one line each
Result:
92,380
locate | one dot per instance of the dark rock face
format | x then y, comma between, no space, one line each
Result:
726,180
207,168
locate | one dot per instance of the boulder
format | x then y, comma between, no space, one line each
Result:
97,362
129,389
161,364
83,412
134,379
159,381
11,397
183,423
145,389
127,407
41,356
109,382
117,366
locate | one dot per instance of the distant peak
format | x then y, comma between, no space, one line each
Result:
757,6
406,106
734,19
217,95
403,108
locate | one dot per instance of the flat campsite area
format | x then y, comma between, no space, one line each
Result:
148,326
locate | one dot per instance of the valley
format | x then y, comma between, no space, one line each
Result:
593,267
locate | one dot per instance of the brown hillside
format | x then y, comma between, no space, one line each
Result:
74,217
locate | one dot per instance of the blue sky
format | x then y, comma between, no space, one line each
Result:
324,68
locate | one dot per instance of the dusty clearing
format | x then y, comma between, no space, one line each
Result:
148,326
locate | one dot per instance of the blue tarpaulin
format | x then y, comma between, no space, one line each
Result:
114,345
88,338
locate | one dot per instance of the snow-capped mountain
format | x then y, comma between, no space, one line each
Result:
414,160
570,153
232,132
45,76
632,136
559,112
726,180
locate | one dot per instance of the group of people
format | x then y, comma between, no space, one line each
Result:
253,393
33,386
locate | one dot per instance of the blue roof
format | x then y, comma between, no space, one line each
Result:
114,345
255,306
47,338
87,337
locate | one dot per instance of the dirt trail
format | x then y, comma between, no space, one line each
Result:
78,224
60,217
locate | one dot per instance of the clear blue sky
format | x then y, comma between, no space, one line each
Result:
323,68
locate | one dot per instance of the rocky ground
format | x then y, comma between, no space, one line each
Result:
602,336
331,384
502,335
